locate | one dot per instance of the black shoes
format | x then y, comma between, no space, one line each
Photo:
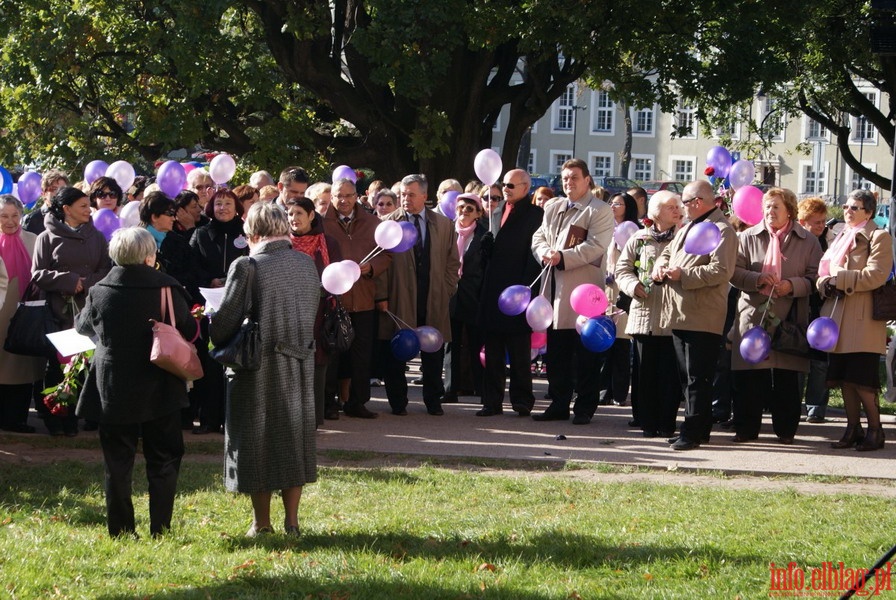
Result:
400,412
359,412
489,412
874,440
523,411
551,416
435,411
683,444
853,436
581,420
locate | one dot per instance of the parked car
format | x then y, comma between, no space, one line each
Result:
551,181
615,185
652,187
882,215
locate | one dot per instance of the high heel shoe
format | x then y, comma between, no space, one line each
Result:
853,435
874,440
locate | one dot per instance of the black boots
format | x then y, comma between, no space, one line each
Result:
853,435
874,440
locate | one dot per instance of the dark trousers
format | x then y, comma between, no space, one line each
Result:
517,347
15,399
722,387
357,360
616,374
776,388
463,371
635,395
163,447
572,368
397,384
659,388
696,353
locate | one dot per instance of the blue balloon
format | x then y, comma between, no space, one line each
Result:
408,237
405,345
599,333
5,181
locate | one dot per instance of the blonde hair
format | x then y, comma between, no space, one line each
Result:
266,220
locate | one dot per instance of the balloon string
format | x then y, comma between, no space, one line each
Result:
398,321
371,255
546,267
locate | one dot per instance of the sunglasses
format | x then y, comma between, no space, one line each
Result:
466,208
511,186
852,207
106,195
207,186
689,200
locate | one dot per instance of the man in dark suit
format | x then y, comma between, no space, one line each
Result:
419,285
511,263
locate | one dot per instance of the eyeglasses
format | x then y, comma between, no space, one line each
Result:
495,198
170,213
466,208
511,186
204,187
105,195
852,207
617,205
345,196
689,200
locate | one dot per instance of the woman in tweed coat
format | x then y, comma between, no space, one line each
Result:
269,431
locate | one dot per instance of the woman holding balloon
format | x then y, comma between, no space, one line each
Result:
857,262
658,385
777,263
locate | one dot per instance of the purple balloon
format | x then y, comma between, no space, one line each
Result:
344,172
171,178
598,333
823,334
755,345
448,204
106,222
703,238
408,237
405,345
29,187
720,160
514,300
94,170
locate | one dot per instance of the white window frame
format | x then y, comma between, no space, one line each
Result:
717,133
533,162
651,158
692,175
555,164
648,110
559,110
591,163
807,124
767,107
855,122
851,175
691,112
598,97
806,165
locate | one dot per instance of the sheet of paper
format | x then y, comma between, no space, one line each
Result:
213,298
69,342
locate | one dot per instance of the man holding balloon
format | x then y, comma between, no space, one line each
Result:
695,298
573,239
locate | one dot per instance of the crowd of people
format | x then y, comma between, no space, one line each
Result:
680,316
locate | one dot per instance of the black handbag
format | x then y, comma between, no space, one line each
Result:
243,351
337,333
29,326
883,301
790,336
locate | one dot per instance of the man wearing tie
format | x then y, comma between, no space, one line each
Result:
511,262
419,285
573,239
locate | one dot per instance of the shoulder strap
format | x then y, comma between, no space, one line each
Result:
168,303
250,287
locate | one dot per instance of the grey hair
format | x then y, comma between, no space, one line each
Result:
418,178
655,204
10,200
869,202
131,246
316,190
266,220
340,182
198,173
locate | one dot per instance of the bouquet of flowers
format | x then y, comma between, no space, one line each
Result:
61,399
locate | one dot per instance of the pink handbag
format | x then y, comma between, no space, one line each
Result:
170,351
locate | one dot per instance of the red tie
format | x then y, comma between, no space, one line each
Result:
507,208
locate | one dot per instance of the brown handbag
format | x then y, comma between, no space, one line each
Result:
883,301
170,351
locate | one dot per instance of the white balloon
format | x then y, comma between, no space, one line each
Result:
129,215
388,234
336,279
222,168
488,166
539,313
580,322
353,268
123,173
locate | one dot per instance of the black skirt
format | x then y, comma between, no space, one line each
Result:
859,368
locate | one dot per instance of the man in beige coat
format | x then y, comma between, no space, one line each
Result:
573,239
695,298
419,285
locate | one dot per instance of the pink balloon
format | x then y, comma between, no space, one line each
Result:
337,279
352,268
539,339
748,204
482,356
588,300
488,166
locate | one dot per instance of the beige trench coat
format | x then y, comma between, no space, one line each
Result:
644,316
801,252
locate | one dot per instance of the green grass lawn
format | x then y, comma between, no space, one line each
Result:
427,532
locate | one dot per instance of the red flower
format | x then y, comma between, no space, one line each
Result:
709,171
647,222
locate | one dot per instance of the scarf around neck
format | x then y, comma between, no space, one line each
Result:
836,253
773,262
463,235
15,257
312,244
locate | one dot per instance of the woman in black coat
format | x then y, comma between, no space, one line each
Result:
127,394
462,366
221,241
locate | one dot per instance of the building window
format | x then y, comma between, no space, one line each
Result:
564,116
603,113
685,121
601,165
772,124
530,166
815,130
643,168
859,182
558,157
642,123
683,168
814,178
729,130
863,132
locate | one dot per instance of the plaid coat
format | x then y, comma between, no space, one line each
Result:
269,433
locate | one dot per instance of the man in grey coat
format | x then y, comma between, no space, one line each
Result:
695,299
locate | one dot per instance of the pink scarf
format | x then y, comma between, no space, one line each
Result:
773,258
463,235
837,251
16,259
